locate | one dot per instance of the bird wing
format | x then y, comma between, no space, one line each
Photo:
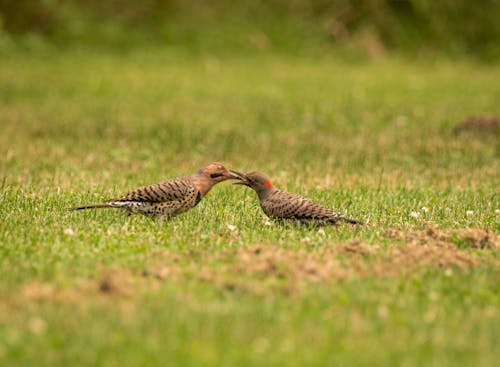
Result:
288,205
169,190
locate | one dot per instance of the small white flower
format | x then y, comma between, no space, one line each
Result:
232,227
306,240
497,211
321,231
415,214
267,223
469,213
425,209
69,232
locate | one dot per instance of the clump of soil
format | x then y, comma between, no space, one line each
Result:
116,282
477,238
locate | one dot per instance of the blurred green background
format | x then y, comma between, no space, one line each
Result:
371,28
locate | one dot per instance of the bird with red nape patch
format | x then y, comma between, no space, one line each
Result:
282,205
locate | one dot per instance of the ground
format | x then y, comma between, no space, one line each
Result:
396,144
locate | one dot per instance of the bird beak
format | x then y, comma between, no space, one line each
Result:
244,183
233,175
240,176
237,174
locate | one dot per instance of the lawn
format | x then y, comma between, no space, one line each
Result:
221,285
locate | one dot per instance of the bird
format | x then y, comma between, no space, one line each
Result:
169,198
282,205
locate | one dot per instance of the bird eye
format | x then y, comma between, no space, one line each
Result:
219,167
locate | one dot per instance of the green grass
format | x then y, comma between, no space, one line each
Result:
374,140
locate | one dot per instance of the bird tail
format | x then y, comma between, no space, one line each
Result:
350,221
91,206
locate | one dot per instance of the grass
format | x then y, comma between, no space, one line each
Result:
373,140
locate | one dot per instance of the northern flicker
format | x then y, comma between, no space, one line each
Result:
284,205
168,198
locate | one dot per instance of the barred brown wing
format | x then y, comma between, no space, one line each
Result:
288,205
173,189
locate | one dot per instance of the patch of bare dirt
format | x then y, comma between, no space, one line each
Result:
352,259
38,291
473,238
111,284
263,268
411,258
483,124
260,268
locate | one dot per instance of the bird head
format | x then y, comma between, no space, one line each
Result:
255,180
216,172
